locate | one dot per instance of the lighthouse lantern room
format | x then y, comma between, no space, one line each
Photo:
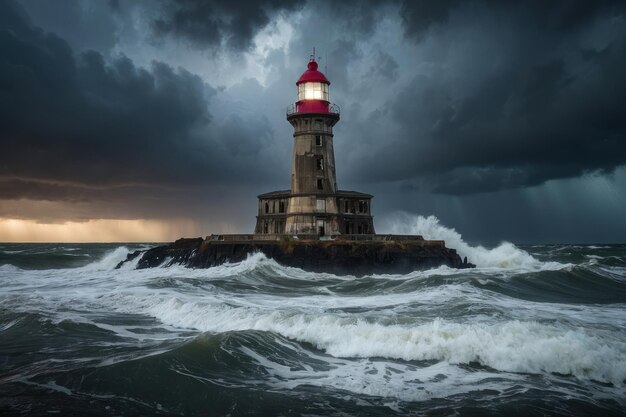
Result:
312,90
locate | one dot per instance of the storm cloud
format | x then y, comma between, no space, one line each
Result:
494,104
218,23
84,120
523,125
155,109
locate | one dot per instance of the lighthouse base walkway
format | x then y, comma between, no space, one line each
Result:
308,237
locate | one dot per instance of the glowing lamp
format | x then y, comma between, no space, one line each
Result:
312,91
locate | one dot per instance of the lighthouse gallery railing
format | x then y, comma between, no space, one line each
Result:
332,108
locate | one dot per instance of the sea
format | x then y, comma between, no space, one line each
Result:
533,330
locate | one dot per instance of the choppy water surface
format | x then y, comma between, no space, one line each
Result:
534,330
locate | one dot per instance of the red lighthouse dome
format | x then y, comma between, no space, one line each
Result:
312,74
312,90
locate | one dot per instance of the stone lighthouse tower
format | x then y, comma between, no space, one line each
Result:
314,205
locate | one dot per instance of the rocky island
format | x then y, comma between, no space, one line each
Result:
313,225
384,254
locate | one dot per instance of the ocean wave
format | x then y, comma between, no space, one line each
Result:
48,259
511,346
568,283
8,325
506,255
260,276
378,377
492,334
9,268
616,273
109,261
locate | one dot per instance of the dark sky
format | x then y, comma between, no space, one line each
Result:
506,120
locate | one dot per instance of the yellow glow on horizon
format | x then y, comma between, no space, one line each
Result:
99,230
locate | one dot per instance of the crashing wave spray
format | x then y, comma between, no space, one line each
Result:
505,255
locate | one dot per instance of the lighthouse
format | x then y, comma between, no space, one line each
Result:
314,205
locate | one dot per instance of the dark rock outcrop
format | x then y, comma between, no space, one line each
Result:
333,256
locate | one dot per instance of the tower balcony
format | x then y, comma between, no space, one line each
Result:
298,108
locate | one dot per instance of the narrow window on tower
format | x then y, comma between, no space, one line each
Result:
319,163
320,184
318,140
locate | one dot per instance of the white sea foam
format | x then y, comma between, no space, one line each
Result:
9,268
517,336
130,265
109,261
75,287
382,378
512,346
506,255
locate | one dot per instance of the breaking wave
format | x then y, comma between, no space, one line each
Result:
506,255
109,261
511,346
542,328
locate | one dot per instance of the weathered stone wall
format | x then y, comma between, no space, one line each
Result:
340,257
313,180
272,216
